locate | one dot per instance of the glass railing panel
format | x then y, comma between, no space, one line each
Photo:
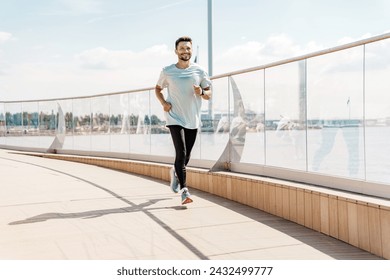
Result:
14,123
2,124
30,115
285,113
100,123
161,141
140,123
214,135
377,89
30,123
120,123
82,124
335,108
48,121
247,127
65,107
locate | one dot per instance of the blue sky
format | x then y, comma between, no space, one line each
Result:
62,48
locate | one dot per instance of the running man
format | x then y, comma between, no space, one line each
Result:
187,85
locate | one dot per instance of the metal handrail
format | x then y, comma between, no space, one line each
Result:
80,97
246,70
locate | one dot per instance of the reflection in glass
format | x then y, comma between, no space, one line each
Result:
48,117
82,124
2,120
236,126
100,124
30,119
13,115
120,123
285,111
139,123
48,120
59,139
215,123
2,124
377,89
251,87
161,141
67,110
335,112
29,128
14,123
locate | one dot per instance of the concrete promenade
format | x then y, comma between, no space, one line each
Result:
52,209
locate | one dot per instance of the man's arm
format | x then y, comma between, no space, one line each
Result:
166,105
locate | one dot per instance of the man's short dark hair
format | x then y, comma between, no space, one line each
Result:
183,39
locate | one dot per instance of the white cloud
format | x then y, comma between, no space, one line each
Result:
102,58
102,70
94,71
5,36
253,53
347,40
280,46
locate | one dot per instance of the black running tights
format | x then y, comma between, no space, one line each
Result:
183,140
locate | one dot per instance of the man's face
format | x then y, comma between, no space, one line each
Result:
184,51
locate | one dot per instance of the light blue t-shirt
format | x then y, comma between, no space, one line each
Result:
186,104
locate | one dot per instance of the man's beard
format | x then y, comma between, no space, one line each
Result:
185,58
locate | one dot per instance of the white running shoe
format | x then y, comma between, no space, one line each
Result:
185,196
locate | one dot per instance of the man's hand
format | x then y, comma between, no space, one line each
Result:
206,92
198,90
166,105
